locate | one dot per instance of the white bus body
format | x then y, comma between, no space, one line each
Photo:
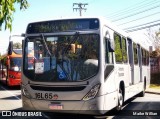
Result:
120,71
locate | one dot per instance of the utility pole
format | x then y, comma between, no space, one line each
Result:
80,7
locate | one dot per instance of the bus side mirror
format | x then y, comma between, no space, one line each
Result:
22,35
22,46
10,48
110,44
7,61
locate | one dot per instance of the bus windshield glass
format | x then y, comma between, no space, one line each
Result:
15,63
17,51
61,58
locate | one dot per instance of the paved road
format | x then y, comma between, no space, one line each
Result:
139,108
136,108
10,99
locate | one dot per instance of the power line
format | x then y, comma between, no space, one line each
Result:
133,8
136,13
80,7
136,29
141,25
124,10
138,19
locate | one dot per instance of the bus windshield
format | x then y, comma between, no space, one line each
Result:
15,63
61,57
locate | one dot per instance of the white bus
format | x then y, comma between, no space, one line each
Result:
81,65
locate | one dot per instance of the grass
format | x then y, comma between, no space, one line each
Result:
155,81
155,86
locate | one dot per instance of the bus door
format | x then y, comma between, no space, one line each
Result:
136,64
109,74
4,71
131,63
140,61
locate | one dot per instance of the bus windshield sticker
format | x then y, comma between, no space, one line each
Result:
39,67
61,75
30,46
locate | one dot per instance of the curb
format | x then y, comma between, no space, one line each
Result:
151,92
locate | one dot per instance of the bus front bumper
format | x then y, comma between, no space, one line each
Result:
78,107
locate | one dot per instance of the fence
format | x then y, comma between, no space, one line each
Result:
155,65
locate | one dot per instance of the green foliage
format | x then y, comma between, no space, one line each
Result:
17,45
124,50
155,86
7,9
0,56
155,53
118,50
158,33
135,53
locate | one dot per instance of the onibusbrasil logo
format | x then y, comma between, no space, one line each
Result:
18,113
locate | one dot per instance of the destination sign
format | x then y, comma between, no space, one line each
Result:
62,25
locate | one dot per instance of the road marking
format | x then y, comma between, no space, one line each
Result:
10,93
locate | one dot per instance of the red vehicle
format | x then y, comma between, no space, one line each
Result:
10,66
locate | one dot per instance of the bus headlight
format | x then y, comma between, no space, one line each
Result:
92,93
25,92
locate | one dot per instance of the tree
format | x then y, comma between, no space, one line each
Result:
157,39
155,53
7,9
17,45
0,55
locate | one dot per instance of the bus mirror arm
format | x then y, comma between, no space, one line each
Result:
10,48
109,42
23,35
110,46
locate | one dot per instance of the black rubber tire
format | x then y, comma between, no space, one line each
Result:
120,100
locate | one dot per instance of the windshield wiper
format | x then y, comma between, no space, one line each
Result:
75,36
45,44
64,51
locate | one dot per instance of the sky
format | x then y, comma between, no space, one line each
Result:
124,13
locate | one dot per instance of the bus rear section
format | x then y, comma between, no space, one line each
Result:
11,68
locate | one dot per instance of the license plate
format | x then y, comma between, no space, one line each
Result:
55,106
44,96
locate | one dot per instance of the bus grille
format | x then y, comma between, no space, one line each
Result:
42,88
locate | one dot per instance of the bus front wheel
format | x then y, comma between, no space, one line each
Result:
142,93
120,100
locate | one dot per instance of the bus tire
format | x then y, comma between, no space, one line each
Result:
6,81
120,100
142,94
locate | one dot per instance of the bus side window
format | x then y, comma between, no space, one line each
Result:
143,57
118,48
124,50
108,54
147,57
135,52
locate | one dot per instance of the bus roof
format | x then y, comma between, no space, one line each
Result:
103,22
